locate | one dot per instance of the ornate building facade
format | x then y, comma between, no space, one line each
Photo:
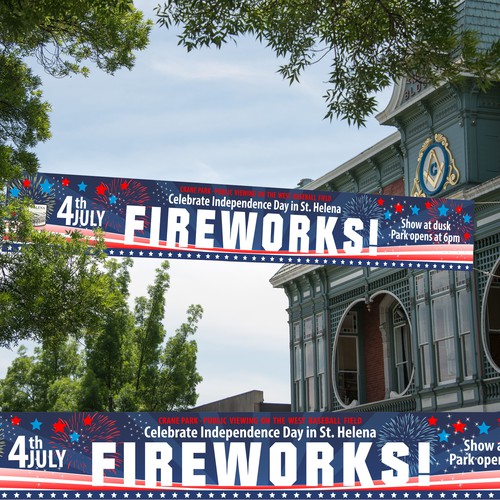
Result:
421,339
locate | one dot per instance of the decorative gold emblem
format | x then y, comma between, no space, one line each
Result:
436,169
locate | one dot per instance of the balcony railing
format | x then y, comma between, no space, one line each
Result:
402,404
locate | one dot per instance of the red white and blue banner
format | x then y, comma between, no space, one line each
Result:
193,221
249,455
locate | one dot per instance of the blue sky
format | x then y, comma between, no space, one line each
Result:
215,116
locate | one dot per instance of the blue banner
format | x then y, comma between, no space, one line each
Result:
249,455
193,221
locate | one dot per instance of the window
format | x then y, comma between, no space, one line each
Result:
308,327
423,343
296,331
309,374
321,367
449,328
493,320
347,362
442,326
298,378
402,349
420,287
464,330
350,323
319,323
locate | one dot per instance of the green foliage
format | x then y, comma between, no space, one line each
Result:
24,117
368,43
62,36
123,362
50,289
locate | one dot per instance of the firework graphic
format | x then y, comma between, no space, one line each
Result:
451,212
364,207
36,188
411,430
77,434
114,199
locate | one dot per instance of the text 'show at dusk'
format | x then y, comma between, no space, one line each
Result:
201,222
249,455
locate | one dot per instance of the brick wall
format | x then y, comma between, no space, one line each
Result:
396,188
374,360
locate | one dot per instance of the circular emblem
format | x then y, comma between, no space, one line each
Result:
435,168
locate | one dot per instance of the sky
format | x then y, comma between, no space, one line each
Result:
212,116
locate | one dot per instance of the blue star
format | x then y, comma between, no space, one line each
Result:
415,210
46,186
36,424
466,218
483,428
112,199
82,186
387,215
443,436
74,437
14,192
442,210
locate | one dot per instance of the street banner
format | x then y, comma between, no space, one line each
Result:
193,221
90,455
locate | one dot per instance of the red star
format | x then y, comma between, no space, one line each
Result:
15,420
459,209
87,420
432,420
380,202
428,205
467,236
124,186
26,183
65,182
101,189
398,207
459,427
59,426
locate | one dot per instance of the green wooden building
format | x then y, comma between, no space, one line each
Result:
420,339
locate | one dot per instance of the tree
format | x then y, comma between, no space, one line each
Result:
108,349
368,43
51,289
61,35
46,381
124,363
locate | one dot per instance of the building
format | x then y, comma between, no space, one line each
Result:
251,401
421,339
